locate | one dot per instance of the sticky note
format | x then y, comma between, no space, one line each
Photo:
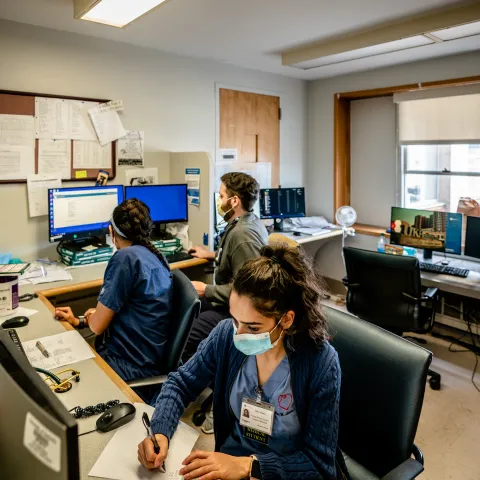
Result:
81,174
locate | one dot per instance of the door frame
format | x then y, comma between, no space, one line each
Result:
272,93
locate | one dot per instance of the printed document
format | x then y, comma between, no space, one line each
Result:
91,155
37,187
106,122
55,157
16,162
17,130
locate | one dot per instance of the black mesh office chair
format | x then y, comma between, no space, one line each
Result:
386,290
186,306
383,385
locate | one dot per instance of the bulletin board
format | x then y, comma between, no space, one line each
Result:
23,103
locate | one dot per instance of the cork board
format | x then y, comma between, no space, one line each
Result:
23,103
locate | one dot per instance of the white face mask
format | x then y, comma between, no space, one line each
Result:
220,205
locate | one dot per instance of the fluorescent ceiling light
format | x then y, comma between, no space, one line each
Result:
116,13
461,31
374,50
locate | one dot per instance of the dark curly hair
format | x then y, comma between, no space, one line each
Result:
132,217
283,279
244,186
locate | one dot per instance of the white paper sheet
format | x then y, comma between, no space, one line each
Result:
55,157
141,176
62,119
107,123
16,163
91,155
64,349
130,148
17,130
19,312
37,188
119,459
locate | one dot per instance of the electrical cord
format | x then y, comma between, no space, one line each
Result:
26,297
86,433
468,320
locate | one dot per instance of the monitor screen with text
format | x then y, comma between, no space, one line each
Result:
81,212
282,202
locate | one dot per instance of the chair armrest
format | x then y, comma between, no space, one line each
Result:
407,470
145,382
430,293
345,281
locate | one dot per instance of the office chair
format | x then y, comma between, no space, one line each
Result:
386,290
274,238
383,385
186,306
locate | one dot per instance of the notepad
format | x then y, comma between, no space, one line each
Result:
119,459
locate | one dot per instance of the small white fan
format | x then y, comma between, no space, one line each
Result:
346,217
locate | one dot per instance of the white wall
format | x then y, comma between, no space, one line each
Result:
171,98
320,133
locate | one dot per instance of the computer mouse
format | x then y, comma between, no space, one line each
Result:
16,322
116,416
297,234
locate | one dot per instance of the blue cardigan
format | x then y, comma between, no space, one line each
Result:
315,376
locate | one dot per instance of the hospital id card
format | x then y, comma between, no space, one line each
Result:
257,415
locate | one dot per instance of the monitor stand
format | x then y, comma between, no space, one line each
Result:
160,233
81,243
427,254
278,224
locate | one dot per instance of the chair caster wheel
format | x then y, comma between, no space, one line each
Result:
434,383
198,418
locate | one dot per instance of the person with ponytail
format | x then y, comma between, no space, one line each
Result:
133,314
276,377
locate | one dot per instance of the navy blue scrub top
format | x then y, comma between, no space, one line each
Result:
138,288
277,390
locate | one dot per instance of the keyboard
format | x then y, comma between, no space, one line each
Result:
178,257
446,270
14,337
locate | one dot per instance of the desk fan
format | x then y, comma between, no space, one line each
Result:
346,216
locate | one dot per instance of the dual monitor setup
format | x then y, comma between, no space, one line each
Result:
82,213
435,231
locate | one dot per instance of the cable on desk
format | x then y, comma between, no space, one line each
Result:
79,412
26,297
86,433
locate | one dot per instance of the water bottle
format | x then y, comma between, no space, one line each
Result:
381,244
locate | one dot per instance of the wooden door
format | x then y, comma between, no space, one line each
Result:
250,122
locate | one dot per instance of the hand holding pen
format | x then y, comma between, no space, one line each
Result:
153,451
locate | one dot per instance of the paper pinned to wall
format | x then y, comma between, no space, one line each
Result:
37,187
17,130
119,459
55,157
141,176
63,119
192,178
91,155
106,121
130,148
16,163
260,171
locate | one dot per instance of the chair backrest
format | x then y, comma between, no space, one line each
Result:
383,384
186,306
274,238
382,289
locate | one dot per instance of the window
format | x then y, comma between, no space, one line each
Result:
435,176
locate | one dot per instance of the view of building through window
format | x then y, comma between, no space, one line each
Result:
435,177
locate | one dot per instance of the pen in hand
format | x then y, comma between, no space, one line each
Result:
156,448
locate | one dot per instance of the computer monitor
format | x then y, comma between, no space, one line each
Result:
281,203
80,213
472,237
38,437
428,230
167,203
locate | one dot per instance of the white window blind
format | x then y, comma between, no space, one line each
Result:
445,119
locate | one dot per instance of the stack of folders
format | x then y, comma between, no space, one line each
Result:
73,257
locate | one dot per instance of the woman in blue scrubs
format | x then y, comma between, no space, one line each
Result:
133,314
276,377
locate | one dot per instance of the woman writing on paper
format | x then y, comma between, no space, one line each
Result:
133,313
277,380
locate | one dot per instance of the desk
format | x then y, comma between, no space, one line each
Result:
98,382
467,287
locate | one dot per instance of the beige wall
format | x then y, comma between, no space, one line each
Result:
171,98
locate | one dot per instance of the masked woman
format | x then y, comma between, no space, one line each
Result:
273,360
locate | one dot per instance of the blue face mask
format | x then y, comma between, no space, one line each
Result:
254,343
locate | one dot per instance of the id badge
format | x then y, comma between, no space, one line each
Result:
257,415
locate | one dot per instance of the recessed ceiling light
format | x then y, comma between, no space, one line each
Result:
116,13
380,49
462,31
